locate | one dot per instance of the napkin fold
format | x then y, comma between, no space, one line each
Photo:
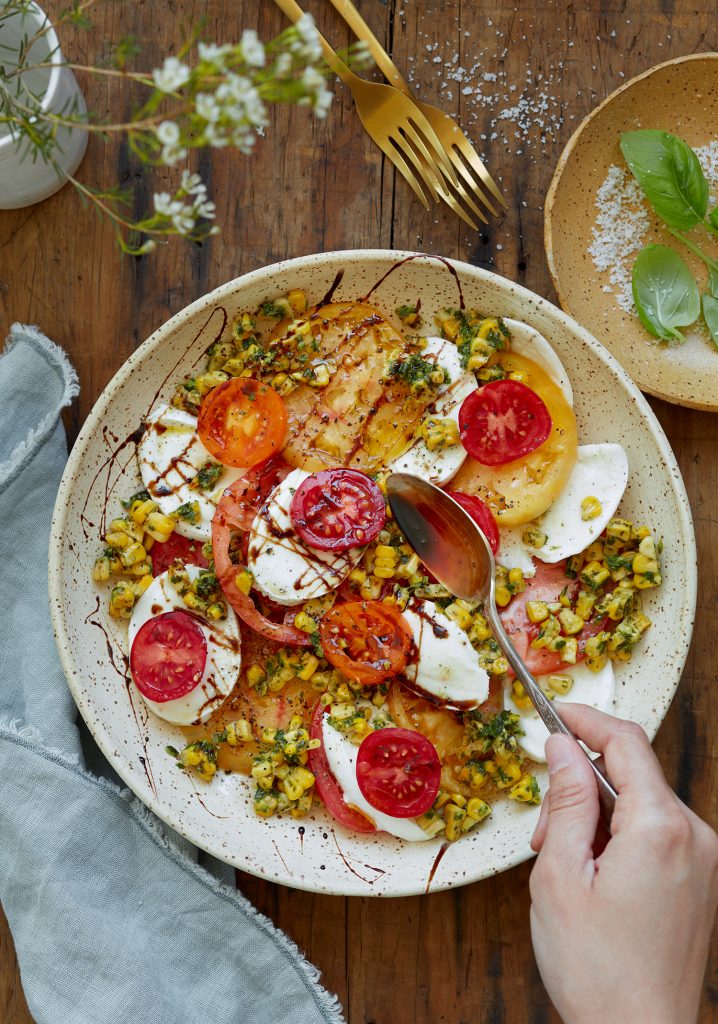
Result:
112,916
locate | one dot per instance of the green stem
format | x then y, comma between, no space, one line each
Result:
696,249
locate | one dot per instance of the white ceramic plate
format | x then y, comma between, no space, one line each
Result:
315,854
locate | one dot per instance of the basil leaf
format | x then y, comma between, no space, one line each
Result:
710,312
670,175
714,217
665,292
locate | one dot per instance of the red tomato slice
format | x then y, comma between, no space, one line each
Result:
481,514
229,514
337,509
398,772
326,785
368,641
503,421
242,500
164,553
242,422
546,585
168,656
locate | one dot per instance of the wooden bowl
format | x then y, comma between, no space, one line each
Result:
681,97
316,853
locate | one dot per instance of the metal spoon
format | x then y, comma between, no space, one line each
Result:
451,545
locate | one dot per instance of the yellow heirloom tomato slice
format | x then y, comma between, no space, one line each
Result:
519,491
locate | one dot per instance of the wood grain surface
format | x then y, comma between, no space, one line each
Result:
461,956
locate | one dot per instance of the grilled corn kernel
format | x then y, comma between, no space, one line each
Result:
311,663
619,528
560,683
122,599
526,790
410,567
584,605
569,653
641,564
383,572
438,433
498,667
596,648
297,300
595,575
647,547
459,615
646,582
239,731
570,622
594,552
384,551
478,809
118,539
516,580
519,696
453,818
101,569
297,781
244,581
265,805
550,630
507,774
159,526
255,675
206,382
591,508
536,611
305,622
475,774
480,629
503,596
370,589
534,537
133,554
458,799
141,585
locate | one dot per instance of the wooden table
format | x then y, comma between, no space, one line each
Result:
461,956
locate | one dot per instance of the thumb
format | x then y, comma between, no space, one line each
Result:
573,811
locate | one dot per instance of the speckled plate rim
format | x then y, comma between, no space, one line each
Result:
405,886
553,189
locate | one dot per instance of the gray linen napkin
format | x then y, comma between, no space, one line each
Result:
113,918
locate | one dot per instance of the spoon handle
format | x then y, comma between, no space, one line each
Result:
547,710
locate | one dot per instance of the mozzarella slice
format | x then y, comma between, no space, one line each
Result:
224,653
441,465
170,453
514,553
446,668
526,341
342,758
601,471
283,567
597,689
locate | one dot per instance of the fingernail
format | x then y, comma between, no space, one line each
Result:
559,753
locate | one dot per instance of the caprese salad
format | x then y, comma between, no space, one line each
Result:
277,616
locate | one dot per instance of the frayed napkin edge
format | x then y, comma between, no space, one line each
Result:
30,738
56,357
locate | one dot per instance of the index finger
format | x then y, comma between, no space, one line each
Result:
630,762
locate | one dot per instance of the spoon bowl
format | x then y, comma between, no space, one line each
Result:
455,550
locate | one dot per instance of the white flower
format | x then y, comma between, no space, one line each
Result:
163,203
309,45
172,75
213,137
283,64
243,139
183,220
168,133
318,96
212,53
206,107
252,49
171,154
193,184
204,209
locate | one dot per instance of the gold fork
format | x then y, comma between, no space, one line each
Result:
452,138
393,121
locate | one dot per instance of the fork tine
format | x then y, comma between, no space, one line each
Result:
467,179
413,146
462,144
451,201
394,153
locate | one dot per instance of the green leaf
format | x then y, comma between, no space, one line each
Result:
670,175
713,282
714,217
665,292
710,312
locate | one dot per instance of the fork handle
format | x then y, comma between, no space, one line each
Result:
549,715
362,31
294,12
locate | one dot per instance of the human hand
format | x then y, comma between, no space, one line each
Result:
622,936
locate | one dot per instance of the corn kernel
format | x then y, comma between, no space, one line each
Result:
647,547
595,575
619,528
516,580
534,537
519,696
133,554
159,526
141,585
536,611
584,605
244,581
570,622
453,818
646,582
595,552
526,790
503,596
310,666
641,564
560,683
255,675
498,667
459,615
101,570
478,809
591,508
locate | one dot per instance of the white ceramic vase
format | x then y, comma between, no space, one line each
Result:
25,178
